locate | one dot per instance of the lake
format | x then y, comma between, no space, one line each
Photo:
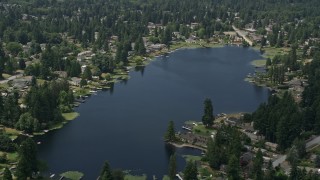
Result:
126,126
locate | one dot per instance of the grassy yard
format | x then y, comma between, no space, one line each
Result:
259,63
12,156
133,177
6,76
192,158
70,116
81,91
194,45
73,175
40,81
306,163
316,150
270,52
200,128
207,173
13,133
4,86
166,177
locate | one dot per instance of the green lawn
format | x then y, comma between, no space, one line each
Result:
166,177
12,157
259,63
13,133
70,116
200,129
6,76
192,158
132,177
40,81
81,91
4,86
194,45
316,150
306,163
73,175
270,52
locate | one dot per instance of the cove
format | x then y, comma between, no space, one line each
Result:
126,125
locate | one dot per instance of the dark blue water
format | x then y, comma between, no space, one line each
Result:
126,126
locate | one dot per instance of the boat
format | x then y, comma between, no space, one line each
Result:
186,128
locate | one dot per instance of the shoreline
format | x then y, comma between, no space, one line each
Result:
148,59
184,145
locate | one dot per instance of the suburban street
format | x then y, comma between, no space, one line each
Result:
309,146
10,78
240,33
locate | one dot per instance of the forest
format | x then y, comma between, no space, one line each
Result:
59,25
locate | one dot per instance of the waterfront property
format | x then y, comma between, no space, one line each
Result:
126,124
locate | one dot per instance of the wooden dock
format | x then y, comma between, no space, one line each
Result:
178,176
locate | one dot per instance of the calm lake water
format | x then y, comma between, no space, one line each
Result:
126,126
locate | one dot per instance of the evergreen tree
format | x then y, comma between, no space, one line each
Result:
300,146
117,175
119,53
214,154
27,163
139,47
22,64
294,172
233,169
83,82
122,54
6,144
166,37
172,167
1,107
190,172
268,62
11,111
2,60
33,81
106,173
208,118
27,123
170,135
270,172
317,161
7,174
257,166
293,157
64,103
87,74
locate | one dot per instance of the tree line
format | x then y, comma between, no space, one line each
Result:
44,106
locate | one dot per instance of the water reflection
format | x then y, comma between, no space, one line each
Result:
140,69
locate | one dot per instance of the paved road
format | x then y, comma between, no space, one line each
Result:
241,33
280,160
312,143
309,146
10,78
